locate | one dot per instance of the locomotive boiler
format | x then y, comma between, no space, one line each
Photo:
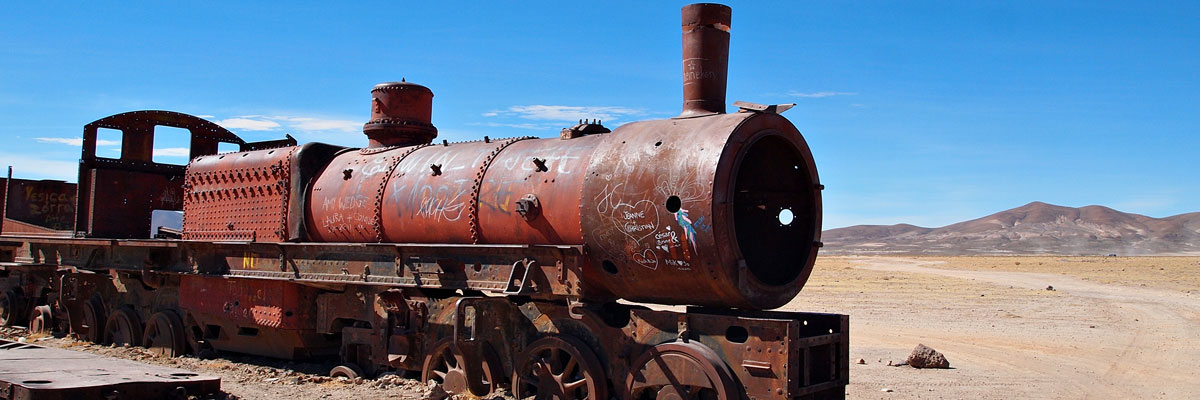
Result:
480,265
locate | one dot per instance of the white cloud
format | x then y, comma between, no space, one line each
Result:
320,124
291,123
75,141
38,167
566,113
206,116
172,152
248,124
817,95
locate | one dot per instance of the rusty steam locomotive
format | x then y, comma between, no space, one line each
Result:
498,263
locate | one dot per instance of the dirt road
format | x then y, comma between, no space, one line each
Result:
1006,335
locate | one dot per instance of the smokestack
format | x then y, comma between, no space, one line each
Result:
400,115
705,58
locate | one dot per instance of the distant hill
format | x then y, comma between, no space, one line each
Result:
1034,228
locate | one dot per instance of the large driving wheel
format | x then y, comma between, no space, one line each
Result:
42,320
559,367
681,371
460,373
10,307
91,328
123,328
164,334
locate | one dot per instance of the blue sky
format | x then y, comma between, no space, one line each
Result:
917,112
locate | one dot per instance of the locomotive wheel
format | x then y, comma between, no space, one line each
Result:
348,371
446,366
93,316
123,328
559,367
460,374
681,371
42,320
164,335
10,307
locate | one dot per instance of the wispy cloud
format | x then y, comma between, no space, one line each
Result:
249,124
817,95
172,152
565,113
75,141
289,122
320,124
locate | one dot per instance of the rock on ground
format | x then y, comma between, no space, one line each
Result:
925,357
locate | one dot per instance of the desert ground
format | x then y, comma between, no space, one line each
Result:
1112,327
1011,327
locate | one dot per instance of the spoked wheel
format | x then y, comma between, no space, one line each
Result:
559,367
460,373
446,366
92,326
10,307
164,335
123,328
681,371
42,320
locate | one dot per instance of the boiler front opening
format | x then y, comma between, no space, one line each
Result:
774,214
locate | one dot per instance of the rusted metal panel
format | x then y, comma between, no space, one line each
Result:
238,196
548,171
117,196
128,198
268,303
34,372
46,204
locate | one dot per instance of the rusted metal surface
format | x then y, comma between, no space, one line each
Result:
44,206
560,367
239,196
34,372
400,115
24,289
697,227
117,196
267,317
695,203
250,196
266,303
705,58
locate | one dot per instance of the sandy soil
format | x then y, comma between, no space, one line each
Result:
1111,327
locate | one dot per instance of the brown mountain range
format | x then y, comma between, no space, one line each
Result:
1034,228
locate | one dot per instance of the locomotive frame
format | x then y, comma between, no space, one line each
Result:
474,317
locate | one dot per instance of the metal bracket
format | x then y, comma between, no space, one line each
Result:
518,279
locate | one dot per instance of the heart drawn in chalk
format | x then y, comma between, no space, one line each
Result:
638,220
646,258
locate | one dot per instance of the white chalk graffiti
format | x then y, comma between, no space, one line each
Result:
443,203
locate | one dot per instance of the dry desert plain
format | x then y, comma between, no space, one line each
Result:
1113,327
